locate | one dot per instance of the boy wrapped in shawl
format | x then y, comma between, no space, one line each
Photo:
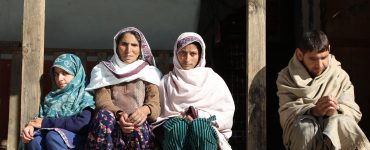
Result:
299,92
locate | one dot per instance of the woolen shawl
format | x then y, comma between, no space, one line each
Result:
115,71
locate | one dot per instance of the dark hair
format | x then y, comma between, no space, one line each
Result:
199,51
315,40
198,47
137,36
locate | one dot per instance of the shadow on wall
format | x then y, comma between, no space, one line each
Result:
257,111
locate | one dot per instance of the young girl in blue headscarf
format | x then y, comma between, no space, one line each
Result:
65,112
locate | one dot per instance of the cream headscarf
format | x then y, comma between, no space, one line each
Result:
115,71
200,87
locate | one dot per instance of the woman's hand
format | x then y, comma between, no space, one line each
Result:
125,124
27,134
36,123
139,116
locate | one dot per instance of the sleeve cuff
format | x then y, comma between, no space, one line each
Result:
45,123
150,109
117,115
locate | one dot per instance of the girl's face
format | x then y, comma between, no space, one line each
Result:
61,77
128,48
188,57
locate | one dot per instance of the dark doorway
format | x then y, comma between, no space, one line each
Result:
280,45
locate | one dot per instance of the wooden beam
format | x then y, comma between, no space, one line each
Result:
256,73
32,58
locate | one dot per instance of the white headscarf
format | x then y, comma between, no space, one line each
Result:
200,87
115,71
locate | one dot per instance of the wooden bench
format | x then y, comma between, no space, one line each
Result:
10,67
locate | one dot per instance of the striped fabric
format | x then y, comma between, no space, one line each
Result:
196,135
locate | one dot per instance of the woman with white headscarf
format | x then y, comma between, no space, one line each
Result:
197,106
127,96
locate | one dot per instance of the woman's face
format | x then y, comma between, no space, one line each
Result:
61,77
128,48
188,56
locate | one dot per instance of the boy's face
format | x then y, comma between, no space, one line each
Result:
315,62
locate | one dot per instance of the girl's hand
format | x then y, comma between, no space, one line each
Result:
27,134
189,118
36,123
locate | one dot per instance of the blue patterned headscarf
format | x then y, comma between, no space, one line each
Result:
73,98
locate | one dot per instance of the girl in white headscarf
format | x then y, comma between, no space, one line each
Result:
127,96
197,106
